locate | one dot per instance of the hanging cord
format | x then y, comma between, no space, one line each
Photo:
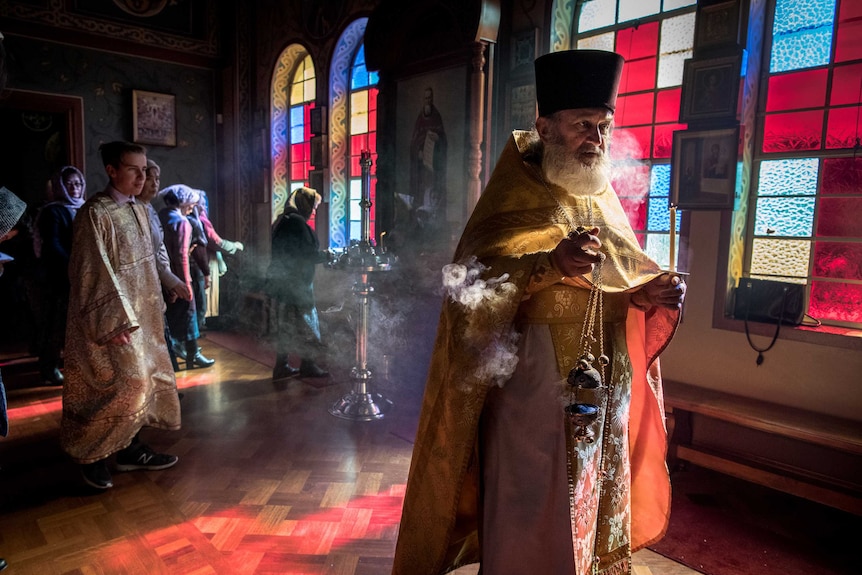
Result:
760,351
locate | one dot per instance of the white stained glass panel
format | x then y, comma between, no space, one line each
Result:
355,197
597,14
780,257
308,73
658,248
634,9
297,95
670,69
309,90
598,42
359,112
677,34
790,177
674,4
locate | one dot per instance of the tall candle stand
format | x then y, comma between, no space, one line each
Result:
361,404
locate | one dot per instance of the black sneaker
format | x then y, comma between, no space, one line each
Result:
140,456
97,475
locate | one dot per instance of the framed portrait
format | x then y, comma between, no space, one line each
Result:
703,169
718,26
710,89
154,118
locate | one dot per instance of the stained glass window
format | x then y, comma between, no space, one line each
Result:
807,199
655,37
302,95
362,137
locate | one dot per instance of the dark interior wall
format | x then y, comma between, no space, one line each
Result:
105,81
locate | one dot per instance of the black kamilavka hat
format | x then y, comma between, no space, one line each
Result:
577,79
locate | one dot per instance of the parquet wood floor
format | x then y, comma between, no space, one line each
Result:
267,482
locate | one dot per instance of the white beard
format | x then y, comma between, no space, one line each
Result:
568,172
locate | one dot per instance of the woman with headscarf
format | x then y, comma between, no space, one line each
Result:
52,244
181,314
295,252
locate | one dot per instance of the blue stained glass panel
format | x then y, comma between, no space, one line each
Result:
659,180
373,78
658,211
784,217
788,177
359,78
802,34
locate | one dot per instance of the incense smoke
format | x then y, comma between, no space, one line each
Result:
484,300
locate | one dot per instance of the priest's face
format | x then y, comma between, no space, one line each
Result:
583,132
575,148
129,177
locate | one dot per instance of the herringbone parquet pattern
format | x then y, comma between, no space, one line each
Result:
267,482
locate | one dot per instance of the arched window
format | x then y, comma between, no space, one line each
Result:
352,129
655,38
293,95
807,176
363,137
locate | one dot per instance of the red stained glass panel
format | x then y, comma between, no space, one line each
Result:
842,176
838,260
840,217
844,128
299,152
634,110
846,85
358,143
663,140
836,301
632,143
798,90
638,75
667,105
638,42
793,131
848,43
636,210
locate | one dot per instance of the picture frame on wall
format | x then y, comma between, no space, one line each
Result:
154,118
718,26
703,169
710,89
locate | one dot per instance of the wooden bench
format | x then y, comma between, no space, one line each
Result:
807,454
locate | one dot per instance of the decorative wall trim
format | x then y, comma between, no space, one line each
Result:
55,17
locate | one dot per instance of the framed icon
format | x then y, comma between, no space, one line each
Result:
710,89
154,118
703,169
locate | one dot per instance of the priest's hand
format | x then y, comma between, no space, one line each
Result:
666,290
577,254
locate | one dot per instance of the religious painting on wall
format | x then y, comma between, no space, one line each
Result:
430,156
703,169
154,118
